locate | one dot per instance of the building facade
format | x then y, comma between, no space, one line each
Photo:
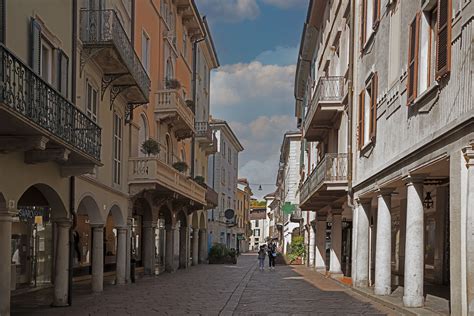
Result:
288,181
244,194
322,110
84,85
259,225
388,120
223,176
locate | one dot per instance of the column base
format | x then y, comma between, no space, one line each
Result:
321,270
361,283
382,290
413,301
336,275
60,304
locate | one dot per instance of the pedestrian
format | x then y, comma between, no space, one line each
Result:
261,257
271,255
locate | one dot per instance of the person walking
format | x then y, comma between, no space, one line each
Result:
261,257
271,255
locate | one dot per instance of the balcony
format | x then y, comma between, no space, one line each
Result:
296,216
327,103
105,41
37,119
153,173
326,184
212,198
171,108
205,137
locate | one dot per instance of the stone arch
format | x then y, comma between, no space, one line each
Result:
45,194
195,220
88,206
202,221
166,214
117,215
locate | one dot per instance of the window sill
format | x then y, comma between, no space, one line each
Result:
424,99
370,38
367,146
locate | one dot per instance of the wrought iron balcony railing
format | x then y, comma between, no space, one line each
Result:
296,216
27,94
100,28
332,168
328,89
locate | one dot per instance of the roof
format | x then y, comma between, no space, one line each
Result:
225,126
210,42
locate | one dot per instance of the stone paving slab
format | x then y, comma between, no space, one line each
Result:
211,290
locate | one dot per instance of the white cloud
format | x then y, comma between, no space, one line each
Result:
286,4
279,56
230,10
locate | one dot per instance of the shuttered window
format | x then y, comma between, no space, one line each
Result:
443,47
35,46
413,60
361,119
62,73
376,13
363,24
373,107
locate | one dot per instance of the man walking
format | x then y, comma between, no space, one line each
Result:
271,255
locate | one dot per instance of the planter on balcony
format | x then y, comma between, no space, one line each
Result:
181,166
150,147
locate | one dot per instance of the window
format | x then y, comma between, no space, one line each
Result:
223,176
256,232
146,51
185,45
142,134
223,149
394,44
169,69
256,223
429,54
370,17
91,102
117,143
368,112
229,155
46,61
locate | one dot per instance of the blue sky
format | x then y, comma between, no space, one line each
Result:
257,43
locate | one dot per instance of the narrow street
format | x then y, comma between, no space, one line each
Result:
214,290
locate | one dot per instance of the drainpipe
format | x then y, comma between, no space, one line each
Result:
350,194
72,179
193,140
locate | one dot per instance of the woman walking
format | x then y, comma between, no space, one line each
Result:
271,255
261,257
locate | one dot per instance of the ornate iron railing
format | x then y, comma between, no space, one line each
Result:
329,89
28,94
103,27
296,216
203,130
333,167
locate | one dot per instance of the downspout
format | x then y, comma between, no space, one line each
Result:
193,139
72,179
350,194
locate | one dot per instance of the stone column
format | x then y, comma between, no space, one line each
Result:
121,255
469,156
149,247
195,246
129,251
61,276
183,249
202,245
6,219
169,253
362,254
97,258
402,241
440,228
414,246
312,245
383,244
321,243
336,243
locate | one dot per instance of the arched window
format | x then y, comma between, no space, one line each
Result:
142,133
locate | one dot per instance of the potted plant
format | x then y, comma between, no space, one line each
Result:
200,180
150,147
173,84
181,166
190,104
297,250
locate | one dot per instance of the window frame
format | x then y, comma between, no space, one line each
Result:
117,149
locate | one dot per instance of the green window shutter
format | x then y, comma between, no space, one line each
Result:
35,49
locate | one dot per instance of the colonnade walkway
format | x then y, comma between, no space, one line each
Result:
213,290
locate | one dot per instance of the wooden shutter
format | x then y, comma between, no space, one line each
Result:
361,119
443,39
373,106
363,24
35,46
376,13
413,59
62,74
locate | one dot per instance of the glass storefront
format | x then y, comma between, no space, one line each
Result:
32,246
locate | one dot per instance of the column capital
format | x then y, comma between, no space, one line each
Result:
7,214
412,179
149,224
170,227
337,211
321,217
63,222
364,201
97,227
121,229
468,153
385,191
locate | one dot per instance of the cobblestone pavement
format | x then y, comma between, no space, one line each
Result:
212,290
